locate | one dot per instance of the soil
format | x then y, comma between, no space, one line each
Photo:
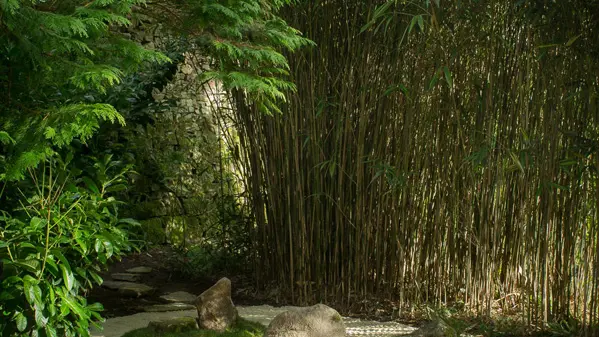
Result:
165,279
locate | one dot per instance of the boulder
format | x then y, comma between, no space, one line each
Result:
315,321
215,307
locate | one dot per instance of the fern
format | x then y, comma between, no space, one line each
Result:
53,55
246,38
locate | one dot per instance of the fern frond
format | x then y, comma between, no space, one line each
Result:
5,138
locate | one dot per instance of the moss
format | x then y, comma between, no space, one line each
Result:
242,328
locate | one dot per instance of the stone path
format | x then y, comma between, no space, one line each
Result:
180,306
116,327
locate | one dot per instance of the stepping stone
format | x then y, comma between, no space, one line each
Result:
129,289
169,307
126,277
140,270
114,285
174,325
179,296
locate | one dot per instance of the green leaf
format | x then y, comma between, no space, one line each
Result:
96,307
5,138
51,266
91,185
434,80
67,276
420,22
98,246
109,248
51,331
37,223
448,76
81,242
72,303
572,40
33,293
40,319
96,277
21,321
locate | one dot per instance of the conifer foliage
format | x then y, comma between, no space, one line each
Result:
245,40
55,56
59,220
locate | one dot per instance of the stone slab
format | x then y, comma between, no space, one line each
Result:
129,277
179,296
140,270
129,289
168,307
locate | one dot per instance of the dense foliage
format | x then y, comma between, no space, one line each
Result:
69,69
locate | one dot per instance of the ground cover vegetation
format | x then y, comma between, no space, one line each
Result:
428,153
242,328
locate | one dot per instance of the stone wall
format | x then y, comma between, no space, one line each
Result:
181,150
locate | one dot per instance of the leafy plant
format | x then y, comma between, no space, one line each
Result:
53,246
55,56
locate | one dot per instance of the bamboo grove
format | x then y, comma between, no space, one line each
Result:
434,153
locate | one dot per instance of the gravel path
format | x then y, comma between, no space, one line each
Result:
116,327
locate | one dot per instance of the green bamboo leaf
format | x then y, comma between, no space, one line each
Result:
448,76
434,80
572,40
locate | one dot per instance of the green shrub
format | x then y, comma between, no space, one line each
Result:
53,246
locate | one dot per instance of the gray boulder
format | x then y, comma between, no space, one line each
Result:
215,307
315,321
